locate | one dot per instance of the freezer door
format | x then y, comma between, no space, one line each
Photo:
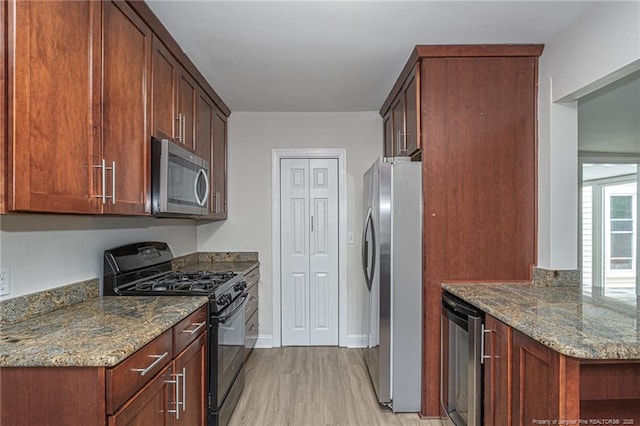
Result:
378,240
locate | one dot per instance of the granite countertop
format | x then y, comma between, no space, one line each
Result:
568,320
99,332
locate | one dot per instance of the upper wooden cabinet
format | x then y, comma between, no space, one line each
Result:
218,206
54,131
79,133
186,107
173,98
84,87
402,119
125,88
164,70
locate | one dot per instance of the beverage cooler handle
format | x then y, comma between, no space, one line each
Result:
368,274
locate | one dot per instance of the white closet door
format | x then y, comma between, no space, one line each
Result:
323,264
309,245
295,228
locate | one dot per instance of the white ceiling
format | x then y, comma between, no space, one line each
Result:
338,55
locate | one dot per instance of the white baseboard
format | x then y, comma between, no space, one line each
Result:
264,342
353,341
357,341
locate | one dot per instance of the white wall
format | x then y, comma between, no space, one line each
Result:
252,136
602,45
47,251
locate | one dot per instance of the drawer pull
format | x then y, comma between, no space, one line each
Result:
198,325
159,358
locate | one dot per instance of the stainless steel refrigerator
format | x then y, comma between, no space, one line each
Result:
392,265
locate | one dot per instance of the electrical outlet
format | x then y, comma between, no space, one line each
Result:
5,281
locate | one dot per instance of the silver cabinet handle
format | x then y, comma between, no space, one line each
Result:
159,358
179,130
311,223
176,393
104,180
216,196
113,182
482,345
183,132
404,141
184,389
198,325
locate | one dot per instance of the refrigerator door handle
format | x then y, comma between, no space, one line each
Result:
368,273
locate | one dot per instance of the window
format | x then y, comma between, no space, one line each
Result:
619,228
609,227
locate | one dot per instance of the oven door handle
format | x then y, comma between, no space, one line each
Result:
224,318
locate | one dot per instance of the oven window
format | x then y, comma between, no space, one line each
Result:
230,351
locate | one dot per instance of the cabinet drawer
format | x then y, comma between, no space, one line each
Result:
252,277
126,378
252,302
188,330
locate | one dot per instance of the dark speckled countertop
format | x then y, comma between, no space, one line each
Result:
99,332
568,320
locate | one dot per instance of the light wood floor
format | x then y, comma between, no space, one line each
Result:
312,386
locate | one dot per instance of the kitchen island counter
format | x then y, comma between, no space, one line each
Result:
568,320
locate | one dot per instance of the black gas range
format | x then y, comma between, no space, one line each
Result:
144,269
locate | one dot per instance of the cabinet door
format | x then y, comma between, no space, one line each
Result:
126,65
388,135
497,387
397,112
163,92
204,126
190,368
205,112
219,166
412,110
535,386
151,405
186,107
53,133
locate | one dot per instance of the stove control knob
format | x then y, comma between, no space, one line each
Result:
240,286
225,299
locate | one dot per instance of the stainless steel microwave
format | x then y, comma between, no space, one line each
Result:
179,180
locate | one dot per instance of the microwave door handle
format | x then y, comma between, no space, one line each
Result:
201,174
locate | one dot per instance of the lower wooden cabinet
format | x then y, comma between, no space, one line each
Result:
528,383
497,371
151,387
149,406
190,369
535,385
